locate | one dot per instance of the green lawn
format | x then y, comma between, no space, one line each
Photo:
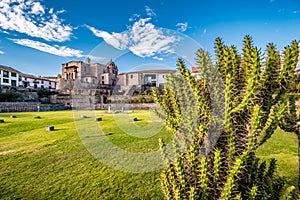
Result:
37,164
283,147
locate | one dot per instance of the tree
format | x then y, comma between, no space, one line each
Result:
206,165
10,96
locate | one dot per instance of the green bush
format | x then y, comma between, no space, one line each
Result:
10,96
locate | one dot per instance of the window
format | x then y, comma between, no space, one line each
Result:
42,82
13,83
42,86
5,74
102,77
5,80
131,76
13,74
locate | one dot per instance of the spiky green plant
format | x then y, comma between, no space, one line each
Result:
290,121
220,120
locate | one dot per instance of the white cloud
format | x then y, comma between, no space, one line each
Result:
182,26
150,11
1,52
37,8
4,32
117,40
296,11
142,39
158,58
28,17
55,50
61,11
204,32
96,58
134,17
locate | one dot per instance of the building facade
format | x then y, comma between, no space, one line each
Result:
145,77
9,77
87,72
139,81
34,82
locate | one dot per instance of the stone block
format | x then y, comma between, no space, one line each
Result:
133,119
1,120
13,116
98,119
37,117
50,128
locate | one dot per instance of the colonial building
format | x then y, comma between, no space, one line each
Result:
12,78
142,80
9,77
34,82
196,72
87,72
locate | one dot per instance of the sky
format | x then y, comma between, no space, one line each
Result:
37,36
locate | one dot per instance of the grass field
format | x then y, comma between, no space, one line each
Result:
38,164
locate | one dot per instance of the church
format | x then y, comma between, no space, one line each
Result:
87,72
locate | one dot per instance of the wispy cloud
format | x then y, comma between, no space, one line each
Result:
296,11
5,32
142,39
30,18
55,50
117,40
158,58
204,32
1,52
37,9
150,12
134,17
96,58
182,26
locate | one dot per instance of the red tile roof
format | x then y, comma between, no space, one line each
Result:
9,69
195,69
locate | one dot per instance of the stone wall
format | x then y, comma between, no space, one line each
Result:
28,107
54,107
19,106
129,106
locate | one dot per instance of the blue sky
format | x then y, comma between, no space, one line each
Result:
37,36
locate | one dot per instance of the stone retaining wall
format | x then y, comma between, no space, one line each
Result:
28,107
130,106
19,106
